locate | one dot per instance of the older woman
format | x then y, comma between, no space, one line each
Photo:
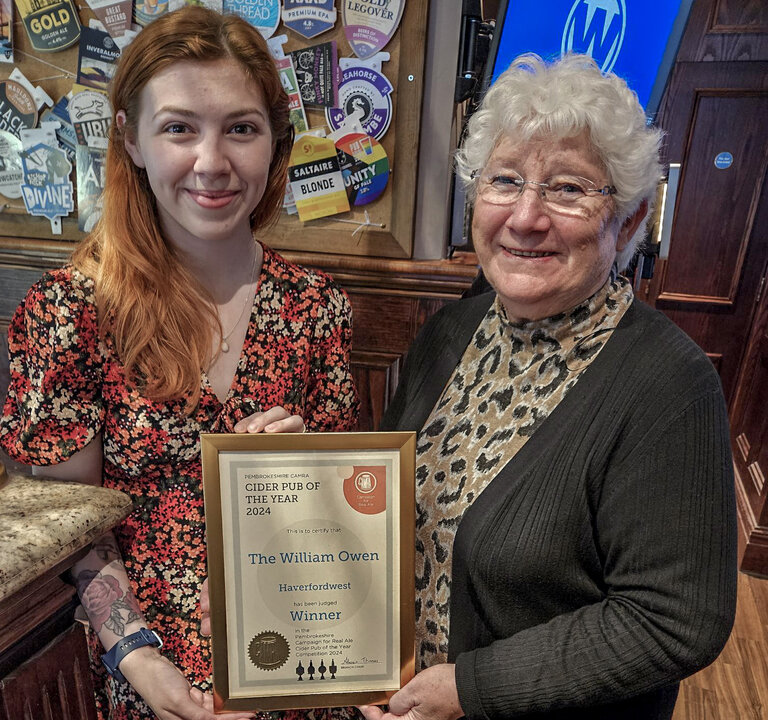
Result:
575,510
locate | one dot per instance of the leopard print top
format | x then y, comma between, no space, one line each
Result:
510,378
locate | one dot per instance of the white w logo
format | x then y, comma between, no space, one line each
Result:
596,27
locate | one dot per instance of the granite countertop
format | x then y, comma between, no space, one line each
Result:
43,522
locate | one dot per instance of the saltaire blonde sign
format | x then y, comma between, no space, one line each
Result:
311,563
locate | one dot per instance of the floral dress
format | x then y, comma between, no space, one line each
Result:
67,386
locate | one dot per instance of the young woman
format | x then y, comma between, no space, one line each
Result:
172,320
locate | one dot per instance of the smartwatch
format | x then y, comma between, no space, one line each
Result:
127,645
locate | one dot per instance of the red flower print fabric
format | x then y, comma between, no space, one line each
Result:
67,386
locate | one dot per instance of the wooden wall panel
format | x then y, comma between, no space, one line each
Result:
749,426
383,328
52,685
376,375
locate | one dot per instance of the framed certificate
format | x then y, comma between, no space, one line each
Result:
311,571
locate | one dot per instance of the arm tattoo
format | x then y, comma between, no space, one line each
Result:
106,549
107,604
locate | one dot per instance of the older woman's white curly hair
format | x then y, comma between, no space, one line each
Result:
533,98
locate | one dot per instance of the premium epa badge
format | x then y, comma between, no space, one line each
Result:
309,18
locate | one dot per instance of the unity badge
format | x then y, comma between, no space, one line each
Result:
597,28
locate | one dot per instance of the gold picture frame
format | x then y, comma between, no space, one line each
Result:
311,567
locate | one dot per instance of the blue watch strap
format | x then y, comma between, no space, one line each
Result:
128,644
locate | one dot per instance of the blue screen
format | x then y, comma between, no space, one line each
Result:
635,39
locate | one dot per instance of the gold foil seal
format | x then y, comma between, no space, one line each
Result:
269,650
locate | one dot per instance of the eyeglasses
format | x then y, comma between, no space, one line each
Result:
570,194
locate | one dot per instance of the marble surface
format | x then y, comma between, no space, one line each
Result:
43,522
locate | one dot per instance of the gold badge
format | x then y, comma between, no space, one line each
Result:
269,650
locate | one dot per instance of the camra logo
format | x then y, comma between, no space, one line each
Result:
596,27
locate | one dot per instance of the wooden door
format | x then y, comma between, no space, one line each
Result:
709,283
713,284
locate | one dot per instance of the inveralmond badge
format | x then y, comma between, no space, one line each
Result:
50,24
370,24
96,59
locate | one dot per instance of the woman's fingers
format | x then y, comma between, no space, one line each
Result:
276,419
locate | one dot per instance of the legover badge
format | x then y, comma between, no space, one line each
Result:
50,24
370,24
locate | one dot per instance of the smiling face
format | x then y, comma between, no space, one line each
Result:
539,261
203,136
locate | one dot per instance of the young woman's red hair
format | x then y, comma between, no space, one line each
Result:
160,317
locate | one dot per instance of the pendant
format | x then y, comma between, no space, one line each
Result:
224,346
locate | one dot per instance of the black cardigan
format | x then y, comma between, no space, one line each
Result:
599,567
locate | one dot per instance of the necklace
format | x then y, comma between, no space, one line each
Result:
224,345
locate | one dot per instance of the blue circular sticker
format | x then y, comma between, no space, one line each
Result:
723,160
